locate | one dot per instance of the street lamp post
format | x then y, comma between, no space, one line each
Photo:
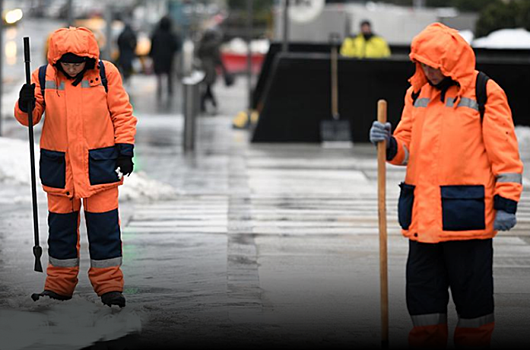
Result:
285,46
1,61
249,59
69,14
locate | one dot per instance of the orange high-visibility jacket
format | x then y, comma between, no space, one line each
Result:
85,128
460,168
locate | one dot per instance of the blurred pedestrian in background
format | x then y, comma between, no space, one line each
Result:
127,52
209,55
165,44
365,45
86,146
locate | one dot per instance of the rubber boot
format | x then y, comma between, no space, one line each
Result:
113,298
51,295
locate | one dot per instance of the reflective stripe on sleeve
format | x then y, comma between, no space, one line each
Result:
64,262
510,177
406,158
106,262
429,320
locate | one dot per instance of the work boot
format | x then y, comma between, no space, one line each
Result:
51,295
113,298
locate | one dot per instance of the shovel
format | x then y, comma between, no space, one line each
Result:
37,249
335,130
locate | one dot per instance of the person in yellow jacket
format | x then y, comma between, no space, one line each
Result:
365,45
462,185
86,146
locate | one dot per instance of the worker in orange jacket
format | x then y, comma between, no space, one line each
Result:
86,146
462,185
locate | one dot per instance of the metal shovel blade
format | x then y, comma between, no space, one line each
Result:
335,130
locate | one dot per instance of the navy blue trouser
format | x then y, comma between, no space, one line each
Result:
466,269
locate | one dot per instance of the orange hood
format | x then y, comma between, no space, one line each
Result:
79,41
444,48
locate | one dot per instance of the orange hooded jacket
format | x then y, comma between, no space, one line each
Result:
460,169
85,128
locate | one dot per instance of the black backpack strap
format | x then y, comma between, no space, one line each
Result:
481,93
42,79
103,75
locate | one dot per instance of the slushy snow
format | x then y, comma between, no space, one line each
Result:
15,168
74,324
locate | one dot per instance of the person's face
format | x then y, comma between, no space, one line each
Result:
435,76
73,69
366,29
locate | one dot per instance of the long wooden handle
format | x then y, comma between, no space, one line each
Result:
381,191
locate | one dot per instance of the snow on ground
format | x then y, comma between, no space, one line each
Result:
74,324
505,39
15,168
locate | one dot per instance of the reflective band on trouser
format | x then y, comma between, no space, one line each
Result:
63,267
106,262
64,262
105,251
474,332
510,177
429,320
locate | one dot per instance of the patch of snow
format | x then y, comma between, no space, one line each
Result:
139,186
518,38
72,324
15,168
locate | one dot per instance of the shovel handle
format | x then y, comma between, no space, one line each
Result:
381,187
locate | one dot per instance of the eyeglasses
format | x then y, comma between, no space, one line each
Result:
72,65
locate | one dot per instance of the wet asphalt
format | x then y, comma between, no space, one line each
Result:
266,245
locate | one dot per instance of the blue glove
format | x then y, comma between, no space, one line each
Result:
504,221
380,132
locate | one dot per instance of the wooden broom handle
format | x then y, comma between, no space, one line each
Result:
381,190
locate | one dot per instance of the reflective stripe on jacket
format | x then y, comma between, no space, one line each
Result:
459,168
85,128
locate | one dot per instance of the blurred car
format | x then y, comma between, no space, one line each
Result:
11,17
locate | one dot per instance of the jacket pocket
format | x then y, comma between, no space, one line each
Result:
463,208
405,204
52,168
102,165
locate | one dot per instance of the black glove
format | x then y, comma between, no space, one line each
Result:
26,95
125,164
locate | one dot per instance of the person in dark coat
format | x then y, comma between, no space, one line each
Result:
209,55
127,47
164,45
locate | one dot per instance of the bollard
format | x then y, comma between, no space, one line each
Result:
191,108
